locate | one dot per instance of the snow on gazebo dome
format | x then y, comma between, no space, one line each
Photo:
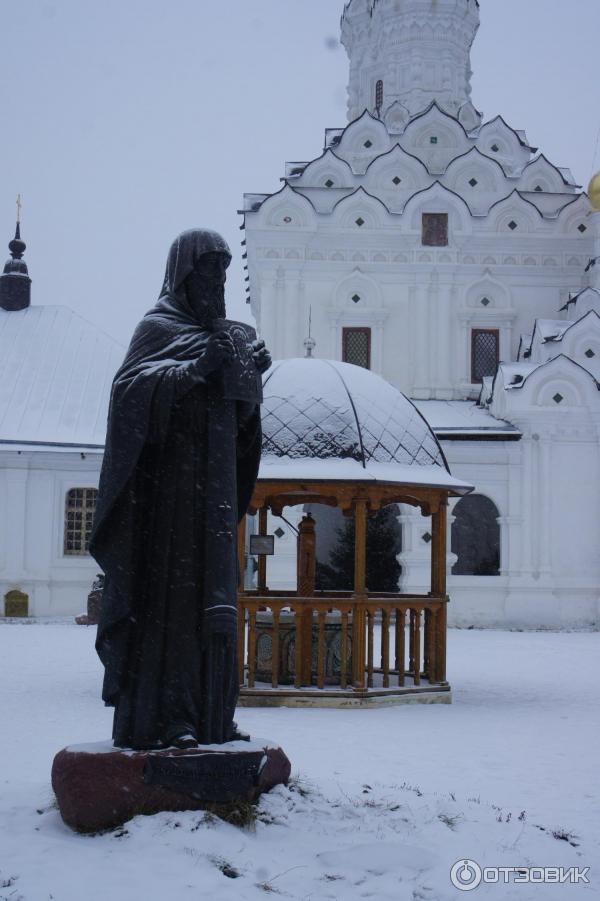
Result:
326,411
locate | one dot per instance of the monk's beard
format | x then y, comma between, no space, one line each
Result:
209,303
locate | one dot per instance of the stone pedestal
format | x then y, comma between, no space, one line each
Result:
94,604
99,787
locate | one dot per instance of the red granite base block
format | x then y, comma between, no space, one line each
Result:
99,791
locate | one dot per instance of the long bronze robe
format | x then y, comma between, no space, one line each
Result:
179,470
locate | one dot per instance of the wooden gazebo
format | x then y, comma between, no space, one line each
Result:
343,648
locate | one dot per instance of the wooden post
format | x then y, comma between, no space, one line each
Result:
400,645
438,549
344,651
360,594
275,649
262,560
252,649
385,647
321,651
370,625
438,583
417,648
306,580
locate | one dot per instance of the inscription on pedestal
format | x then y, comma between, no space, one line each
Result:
217,778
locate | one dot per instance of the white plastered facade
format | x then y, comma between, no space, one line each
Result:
521,233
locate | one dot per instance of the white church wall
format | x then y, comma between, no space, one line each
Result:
33,488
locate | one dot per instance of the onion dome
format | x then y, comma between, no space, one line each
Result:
594,191
15,284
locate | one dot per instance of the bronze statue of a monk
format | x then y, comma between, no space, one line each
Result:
179,470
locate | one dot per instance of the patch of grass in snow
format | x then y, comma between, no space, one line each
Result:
561,835
225,867
267,887
411,788
450,821
301,786
242,814
8,883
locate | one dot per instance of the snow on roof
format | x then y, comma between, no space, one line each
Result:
462,417
282,469
552,329
326,411
56,372
515,374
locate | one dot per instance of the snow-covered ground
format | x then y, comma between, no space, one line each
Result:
382,803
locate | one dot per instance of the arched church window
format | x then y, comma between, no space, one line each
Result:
476,537
356,346
80,507
379,95
485,353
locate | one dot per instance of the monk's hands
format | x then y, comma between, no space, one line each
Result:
261,356
219,350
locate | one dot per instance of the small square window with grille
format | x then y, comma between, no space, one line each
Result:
396,179
485,301
80,507
558,398
434,231
473,182
279,532
494,148
427,537
433,139
368,144
512,225
356,298
356,346
360,222
590,353
329,183
485,353
582,228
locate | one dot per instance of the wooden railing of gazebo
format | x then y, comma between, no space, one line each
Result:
390,638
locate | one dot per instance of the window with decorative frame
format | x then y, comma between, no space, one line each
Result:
356,346
80,506
434,231
485,353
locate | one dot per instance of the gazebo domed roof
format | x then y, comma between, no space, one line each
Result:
323,420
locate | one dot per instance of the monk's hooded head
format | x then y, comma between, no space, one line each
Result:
196,273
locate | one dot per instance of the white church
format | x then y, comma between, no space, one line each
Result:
437,249
448,255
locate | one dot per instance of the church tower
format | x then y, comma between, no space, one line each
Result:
15,284
404,54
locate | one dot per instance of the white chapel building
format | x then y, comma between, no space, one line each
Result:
448,255
56,372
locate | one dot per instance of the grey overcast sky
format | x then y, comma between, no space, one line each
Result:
125,121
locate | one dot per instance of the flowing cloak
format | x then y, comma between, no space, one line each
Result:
178,474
